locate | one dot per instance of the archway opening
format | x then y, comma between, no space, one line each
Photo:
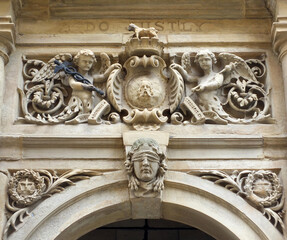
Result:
146,229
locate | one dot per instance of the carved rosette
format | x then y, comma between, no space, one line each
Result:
146,167
261,189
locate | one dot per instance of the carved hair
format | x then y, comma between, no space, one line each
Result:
205,52
85,52
154,146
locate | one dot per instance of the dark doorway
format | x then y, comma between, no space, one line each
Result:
146,229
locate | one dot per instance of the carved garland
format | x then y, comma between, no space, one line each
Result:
27,187
261,189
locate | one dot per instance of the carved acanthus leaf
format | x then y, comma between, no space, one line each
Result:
114,89
176,89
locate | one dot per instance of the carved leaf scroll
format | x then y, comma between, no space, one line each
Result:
28,187
261,189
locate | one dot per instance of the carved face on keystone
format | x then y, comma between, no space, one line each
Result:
26,187
146,163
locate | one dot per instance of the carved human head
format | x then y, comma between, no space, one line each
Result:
85,59
146,161
205,54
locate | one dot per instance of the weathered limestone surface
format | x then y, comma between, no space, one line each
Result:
41,30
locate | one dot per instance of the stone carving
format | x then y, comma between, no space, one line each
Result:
146,168
47,86
143,89
262,189
233,94
27,187
142,32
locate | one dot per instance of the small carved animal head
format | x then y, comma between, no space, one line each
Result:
132,27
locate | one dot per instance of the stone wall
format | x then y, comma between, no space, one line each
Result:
222,124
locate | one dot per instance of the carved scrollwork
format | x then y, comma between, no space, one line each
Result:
27,187
145,88
235,94
262,189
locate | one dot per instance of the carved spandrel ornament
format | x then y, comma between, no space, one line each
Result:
143,89
26,188
262,189
146,167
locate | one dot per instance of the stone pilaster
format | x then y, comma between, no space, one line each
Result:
3,196
279,42
7,41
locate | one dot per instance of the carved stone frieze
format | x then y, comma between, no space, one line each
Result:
145,88
261,189
27,187
146,167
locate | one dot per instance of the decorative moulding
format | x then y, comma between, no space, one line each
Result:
26,188
143,89
262,189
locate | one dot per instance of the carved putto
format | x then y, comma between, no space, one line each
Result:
145,88
146,167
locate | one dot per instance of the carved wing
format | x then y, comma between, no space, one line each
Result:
176,88
185,62
114,89
105,62
235,67
47,71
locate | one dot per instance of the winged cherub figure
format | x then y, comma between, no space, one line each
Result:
82,94
208,84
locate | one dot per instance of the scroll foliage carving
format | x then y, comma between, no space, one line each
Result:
144,88
261,189
28,187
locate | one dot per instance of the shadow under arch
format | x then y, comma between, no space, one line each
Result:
105,199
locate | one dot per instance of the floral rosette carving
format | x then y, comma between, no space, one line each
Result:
262,189
25,187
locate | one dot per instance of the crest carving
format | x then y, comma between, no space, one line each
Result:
145,88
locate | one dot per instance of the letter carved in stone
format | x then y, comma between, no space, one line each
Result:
146,167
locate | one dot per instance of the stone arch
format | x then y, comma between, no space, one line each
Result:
105,199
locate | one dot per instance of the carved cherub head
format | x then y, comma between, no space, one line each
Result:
85,59
205,58
146,163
